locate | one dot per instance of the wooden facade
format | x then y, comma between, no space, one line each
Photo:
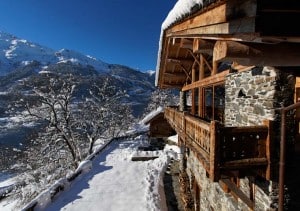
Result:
159,127
198,52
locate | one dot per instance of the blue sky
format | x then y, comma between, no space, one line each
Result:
115,31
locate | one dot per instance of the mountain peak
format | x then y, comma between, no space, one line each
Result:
17,52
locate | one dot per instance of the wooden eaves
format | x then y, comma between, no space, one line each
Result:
243,32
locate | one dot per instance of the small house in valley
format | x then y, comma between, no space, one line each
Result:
238,62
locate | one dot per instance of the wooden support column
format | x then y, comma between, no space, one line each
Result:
193,111
201,76
269,148
214,68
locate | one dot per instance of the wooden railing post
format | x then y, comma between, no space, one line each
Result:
269,148
214,152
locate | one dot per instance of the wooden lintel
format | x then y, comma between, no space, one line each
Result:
203,46
281,54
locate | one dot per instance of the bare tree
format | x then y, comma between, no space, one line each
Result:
72,124
77,123
54,107
163,98
106,113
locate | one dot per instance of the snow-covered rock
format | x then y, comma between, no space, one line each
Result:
16,52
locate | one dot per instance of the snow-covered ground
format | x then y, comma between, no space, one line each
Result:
115,182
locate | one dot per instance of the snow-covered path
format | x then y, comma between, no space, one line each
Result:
115,182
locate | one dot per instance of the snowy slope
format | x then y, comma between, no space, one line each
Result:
117,183
17,52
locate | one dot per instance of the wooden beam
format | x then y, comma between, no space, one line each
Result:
201,68
175,76
215,15
231,51
194,72
186,43
218,14
207,64
237,192
207,81
245,163
163,61
281,54
166,85
180,61
244,25
203,46
187,73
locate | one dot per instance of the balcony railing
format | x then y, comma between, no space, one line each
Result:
222,149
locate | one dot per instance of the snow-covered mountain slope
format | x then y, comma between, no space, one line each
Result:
16,52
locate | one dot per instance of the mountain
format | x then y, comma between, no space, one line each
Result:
21,60
17,52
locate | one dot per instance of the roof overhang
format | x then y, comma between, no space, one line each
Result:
193,28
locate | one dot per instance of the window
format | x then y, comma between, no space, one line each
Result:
213,103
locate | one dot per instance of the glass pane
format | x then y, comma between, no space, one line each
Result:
208,96
219,103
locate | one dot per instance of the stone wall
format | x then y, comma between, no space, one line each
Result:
212,196
250,97
253,96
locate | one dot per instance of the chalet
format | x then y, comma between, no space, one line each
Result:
238,60
158,125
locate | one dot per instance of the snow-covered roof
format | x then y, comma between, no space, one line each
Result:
180,10
152,114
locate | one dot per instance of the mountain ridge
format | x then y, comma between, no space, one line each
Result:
16,52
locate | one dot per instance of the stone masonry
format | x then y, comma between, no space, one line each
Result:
250,97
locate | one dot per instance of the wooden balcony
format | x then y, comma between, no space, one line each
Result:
223,150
